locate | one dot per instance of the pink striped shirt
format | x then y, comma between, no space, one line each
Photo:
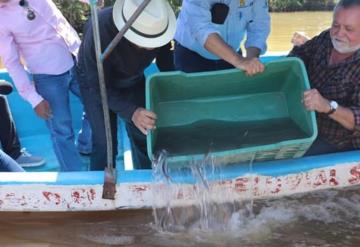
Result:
45,44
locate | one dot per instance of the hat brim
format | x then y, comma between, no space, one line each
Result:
5,87
140,40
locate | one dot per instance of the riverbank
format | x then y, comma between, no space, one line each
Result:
301,5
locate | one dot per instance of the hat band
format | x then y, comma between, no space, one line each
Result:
144,34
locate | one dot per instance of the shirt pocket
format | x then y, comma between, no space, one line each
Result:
245,11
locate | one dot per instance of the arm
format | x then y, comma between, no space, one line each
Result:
258,29
313,100
307,50
204,31
299,38
11,59
119,102
251,65
199,23
345,117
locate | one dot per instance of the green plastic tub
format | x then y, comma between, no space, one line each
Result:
235,117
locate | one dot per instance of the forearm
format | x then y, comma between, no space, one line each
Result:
345,117
216,45
11,59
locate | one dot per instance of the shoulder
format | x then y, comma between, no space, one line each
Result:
324,35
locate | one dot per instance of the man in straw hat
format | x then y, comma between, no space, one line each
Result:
124,74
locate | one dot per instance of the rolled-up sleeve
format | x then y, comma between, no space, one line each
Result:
9,54
259,28
198,19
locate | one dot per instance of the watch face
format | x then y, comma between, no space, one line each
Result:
333,105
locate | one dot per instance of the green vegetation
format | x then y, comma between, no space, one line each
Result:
76,12
301,5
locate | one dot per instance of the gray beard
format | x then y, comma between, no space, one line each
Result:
342,49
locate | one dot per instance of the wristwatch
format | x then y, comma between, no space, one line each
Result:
333,107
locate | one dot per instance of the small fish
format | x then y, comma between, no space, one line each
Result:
242,3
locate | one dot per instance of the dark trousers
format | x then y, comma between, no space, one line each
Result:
189,61
93,107
8,136
321,146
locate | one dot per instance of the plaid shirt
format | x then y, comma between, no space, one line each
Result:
339,82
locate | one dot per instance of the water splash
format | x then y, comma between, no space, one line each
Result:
164,218
204,214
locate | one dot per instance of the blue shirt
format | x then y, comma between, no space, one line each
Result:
245,17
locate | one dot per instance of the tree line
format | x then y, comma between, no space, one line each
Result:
77,12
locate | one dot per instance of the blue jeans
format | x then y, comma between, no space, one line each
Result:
55,89
7,164
84,142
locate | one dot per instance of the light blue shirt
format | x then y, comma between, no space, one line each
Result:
248,18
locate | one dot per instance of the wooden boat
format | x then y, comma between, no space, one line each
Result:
45,189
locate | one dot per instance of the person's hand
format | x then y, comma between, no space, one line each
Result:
251,66
43,110
299,38
313,101
144,120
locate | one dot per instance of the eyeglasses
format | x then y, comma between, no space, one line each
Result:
30,12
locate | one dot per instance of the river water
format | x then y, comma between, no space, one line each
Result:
283,25
326,218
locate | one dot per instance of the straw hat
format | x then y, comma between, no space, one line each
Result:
154,27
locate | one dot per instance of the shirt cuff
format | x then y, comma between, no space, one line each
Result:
128,113
262,46
356,112
34,100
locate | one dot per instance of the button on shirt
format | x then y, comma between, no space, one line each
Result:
45,44
339,82
250,17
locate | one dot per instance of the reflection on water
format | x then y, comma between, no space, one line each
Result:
327,218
